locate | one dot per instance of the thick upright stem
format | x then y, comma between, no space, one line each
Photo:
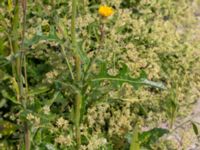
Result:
78,98
17,64
23,63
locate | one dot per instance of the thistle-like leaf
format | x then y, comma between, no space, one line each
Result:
149,137
124,77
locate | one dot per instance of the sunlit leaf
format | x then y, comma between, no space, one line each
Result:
124,77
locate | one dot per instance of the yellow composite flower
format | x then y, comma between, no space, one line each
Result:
105,11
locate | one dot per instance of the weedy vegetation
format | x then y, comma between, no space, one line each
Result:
98,75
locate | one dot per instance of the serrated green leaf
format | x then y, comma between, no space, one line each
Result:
124,77
40,36
149,137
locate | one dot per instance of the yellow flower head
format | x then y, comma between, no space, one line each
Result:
105,11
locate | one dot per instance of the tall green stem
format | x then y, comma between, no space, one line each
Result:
14,41
17,65
23,63
78,98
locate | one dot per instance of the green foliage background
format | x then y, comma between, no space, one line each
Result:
158,37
